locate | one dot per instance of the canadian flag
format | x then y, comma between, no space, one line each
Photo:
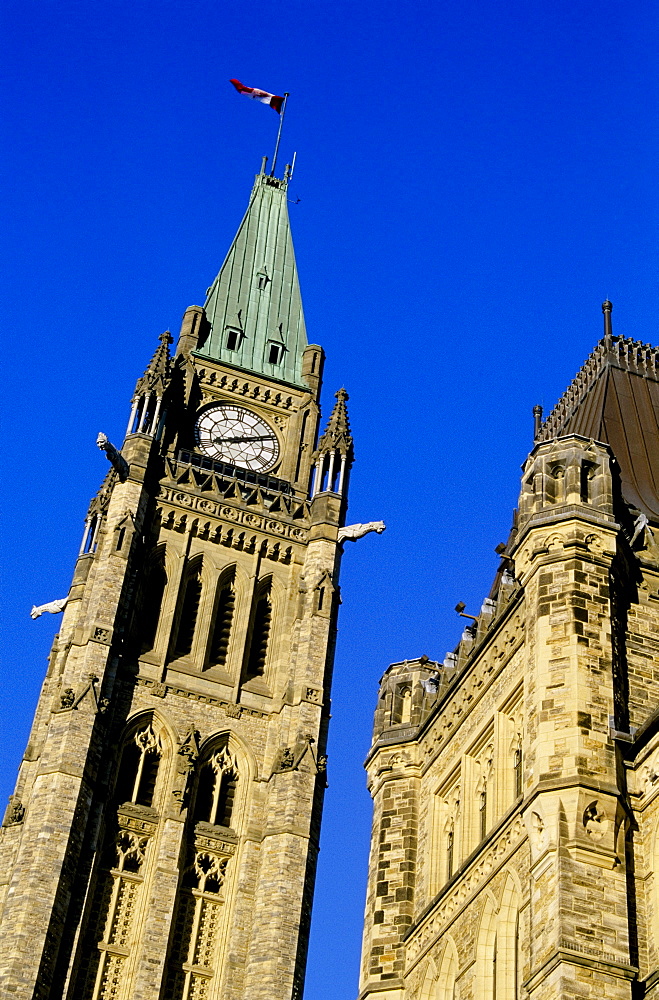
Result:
259,95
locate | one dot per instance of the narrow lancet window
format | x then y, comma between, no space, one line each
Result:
189,611
221,634
260,637
154,591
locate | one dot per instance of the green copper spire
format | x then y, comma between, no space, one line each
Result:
254,305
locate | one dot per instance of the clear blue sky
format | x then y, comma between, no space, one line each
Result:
473,180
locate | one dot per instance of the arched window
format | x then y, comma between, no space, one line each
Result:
405,705
260,635
225,603
138,770
216,789
153,593
190,599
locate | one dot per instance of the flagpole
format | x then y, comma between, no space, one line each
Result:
281,122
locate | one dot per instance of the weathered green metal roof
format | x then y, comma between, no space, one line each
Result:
254,304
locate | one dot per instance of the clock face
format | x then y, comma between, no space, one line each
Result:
235,435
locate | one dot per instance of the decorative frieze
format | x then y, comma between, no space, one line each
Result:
162,690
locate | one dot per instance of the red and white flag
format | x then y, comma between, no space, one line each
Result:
259,95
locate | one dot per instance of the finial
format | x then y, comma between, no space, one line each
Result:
166,338
607,306
537,420
341,395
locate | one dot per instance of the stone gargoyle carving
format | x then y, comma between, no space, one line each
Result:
352,532
642,530
53,607
119,463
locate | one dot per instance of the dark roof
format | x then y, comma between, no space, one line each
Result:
615,399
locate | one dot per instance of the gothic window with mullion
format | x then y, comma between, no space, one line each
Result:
216,789
138,768
108,937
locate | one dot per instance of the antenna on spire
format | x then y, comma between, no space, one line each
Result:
607,306
281,122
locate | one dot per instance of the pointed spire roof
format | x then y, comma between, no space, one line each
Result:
615,399
337,435
156,376
254,306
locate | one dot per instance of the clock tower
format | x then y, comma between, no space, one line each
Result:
161,842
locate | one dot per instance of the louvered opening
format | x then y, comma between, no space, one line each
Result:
222,626
258,648
189,612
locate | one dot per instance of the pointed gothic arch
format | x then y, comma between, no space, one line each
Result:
259,641
187,612
497,949
223,619
448,972
152,598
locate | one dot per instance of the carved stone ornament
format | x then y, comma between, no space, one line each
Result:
189,749
52,607
538,832
651,774
67,698
15,811
292,758
351,532
595,821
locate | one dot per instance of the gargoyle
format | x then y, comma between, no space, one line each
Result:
352,532
53,607
119,463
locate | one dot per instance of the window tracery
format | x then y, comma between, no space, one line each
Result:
107,946
138,769
193,955
216,789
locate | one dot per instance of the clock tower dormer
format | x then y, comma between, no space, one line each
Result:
178,753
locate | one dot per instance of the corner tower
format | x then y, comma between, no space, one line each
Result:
161,842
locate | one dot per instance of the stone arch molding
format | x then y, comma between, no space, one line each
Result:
496,950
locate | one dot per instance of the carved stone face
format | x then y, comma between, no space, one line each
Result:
235,435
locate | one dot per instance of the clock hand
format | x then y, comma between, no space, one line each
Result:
235,440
